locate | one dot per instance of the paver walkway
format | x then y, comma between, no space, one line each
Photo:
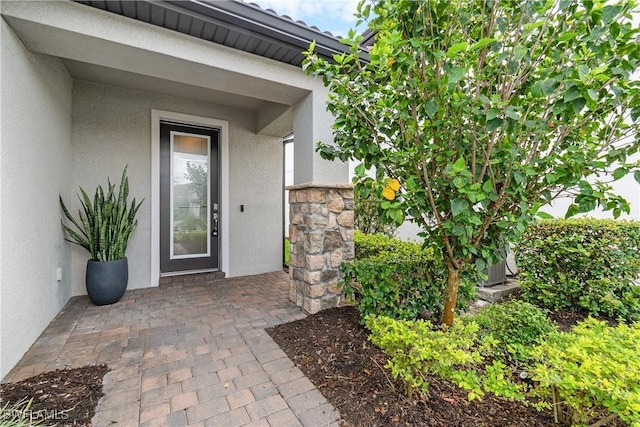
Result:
191,353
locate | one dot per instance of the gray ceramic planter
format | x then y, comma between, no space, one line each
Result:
107,280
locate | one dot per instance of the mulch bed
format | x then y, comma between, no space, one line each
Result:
332,350
64,397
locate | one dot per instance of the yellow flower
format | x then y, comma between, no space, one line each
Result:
388,193
394,184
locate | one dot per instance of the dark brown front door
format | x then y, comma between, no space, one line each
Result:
189,207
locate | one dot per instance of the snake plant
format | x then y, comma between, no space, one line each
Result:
103,227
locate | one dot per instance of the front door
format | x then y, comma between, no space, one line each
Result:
189,206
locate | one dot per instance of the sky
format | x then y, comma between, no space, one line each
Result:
335,16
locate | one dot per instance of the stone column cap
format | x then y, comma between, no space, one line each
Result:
333,186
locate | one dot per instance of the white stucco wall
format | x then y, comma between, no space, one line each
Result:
626,187
35,165
112,127
313,123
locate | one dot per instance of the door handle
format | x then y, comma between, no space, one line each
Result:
214,229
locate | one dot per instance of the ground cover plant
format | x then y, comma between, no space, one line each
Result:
516,325
477,113
591,373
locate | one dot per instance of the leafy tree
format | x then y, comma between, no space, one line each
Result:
486,110
368,213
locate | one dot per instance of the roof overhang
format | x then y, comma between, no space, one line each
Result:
111,49
235,24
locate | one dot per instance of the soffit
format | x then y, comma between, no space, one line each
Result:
235,24
129,80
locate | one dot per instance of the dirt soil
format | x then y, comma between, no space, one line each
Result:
64,397
332,349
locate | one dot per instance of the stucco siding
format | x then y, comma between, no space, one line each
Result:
35,165
627,187
256,175
112,127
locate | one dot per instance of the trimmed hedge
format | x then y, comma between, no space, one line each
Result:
397,279
372,245
582,264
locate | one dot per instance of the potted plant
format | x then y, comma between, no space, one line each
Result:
104,228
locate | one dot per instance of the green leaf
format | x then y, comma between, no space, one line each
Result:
457,48
397,216
460,181
431,107
599,70
543,88
482,43
456,74
572,210
494,124
578,104
487,187
619,173
459,165
459,206
636,176
571,94
610,12
518,53
492,114
583,71
567,36
544,215
534,25
512,113
592,94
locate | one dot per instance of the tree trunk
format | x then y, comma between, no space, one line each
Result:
450,294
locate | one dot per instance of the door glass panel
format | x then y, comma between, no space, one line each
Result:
190,196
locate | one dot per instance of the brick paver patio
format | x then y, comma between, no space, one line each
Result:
188,353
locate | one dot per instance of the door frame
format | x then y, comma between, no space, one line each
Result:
223,183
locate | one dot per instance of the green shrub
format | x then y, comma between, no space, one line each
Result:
594,370
582,264
591,372
517,325
397,279
417,350
371,245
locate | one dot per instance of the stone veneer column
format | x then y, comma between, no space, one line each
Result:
321,236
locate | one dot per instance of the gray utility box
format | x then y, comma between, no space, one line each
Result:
497,274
